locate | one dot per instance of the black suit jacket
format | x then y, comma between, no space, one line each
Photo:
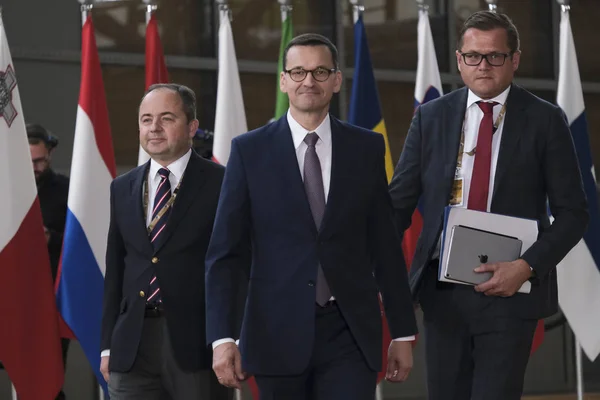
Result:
53,192
264,228
536,162
177,261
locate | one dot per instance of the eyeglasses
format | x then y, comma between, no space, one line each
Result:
494,59
319,74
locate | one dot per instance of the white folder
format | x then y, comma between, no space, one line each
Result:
524,229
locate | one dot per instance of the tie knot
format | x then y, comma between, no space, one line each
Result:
311,139
164,173
486,107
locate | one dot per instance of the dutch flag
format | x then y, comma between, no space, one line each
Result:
81,280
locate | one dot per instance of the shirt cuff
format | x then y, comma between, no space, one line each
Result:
221,341
105,353
406,339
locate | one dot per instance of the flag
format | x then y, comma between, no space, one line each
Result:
156,70
287,31
578,273
29,338
428,86
230,117
365,111
80,283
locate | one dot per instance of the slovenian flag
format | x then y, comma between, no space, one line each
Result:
428,86
80,284
578,273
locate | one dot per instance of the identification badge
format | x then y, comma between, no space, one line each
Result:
456,198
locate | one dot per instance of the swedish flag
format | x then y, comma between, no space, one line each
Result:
365,109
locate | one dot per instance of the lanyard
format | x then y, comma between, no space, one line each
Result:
163,210
471,153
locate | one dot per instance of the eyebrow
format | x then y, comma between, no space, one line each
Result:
160,115
318,66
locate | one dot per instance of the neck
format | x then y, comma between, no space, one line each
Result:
165,161
309,120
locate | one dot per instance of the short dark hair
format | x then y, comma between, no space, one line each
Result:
187,96
487,21
37,134
312,39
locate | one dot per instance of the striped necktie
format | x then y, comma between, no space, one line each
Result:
163,194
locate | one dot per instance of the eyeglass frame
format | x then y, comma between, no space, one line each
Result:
312,72
485,56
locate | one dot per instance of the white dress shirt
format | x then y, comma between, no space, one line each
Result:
177,168
473,117
323,149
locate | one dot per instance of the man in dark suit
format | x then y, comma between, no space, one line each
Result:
491,146
305,214
162,213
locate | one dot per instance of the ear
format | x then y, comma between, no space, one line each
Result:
516,59
458,60
337,83
282,82
192,128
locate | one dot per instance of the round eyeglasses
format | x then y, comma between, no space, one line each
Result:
493,59
319,74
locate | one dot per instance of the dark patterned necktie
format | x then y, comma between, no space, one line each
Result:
315,192
480,179
163,194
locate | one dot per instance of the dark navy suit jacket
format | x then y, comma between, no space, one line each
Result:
264,229
177,260
537,166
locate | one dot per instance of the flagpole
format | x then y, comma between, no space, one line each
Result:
357,9
286,9
492,6
225,11
150,9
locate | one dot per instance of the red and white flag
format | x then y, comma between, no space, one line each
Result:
156,69
29,339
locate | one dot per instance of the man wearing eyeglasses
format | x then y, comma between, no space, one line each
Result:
305,213
493,147
53,191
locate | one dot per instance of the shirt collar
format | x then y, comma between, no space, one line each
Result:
177,167
500,99
299,132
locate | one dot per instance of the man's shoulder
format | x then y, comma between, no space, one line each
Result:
530,100
129,175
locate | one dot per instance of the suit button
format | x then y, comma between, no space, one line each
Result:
142,294
311,283
154,260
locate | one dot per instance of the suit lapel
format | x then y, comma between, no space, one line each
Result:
286,163
193,179
452,126
514,125
137,205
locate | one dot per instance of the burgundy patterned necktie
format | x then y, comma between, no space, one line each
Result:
480,179
163,194
315,192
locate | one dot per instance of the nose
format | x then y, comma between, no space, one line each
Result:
485,65
309,80
155,126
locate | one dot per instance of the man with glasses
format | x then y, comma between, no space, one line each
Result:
493,147
53,191
305,213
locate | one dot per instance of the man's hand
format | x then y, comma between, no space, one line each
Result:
104,367
400,361
507,279
227,364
